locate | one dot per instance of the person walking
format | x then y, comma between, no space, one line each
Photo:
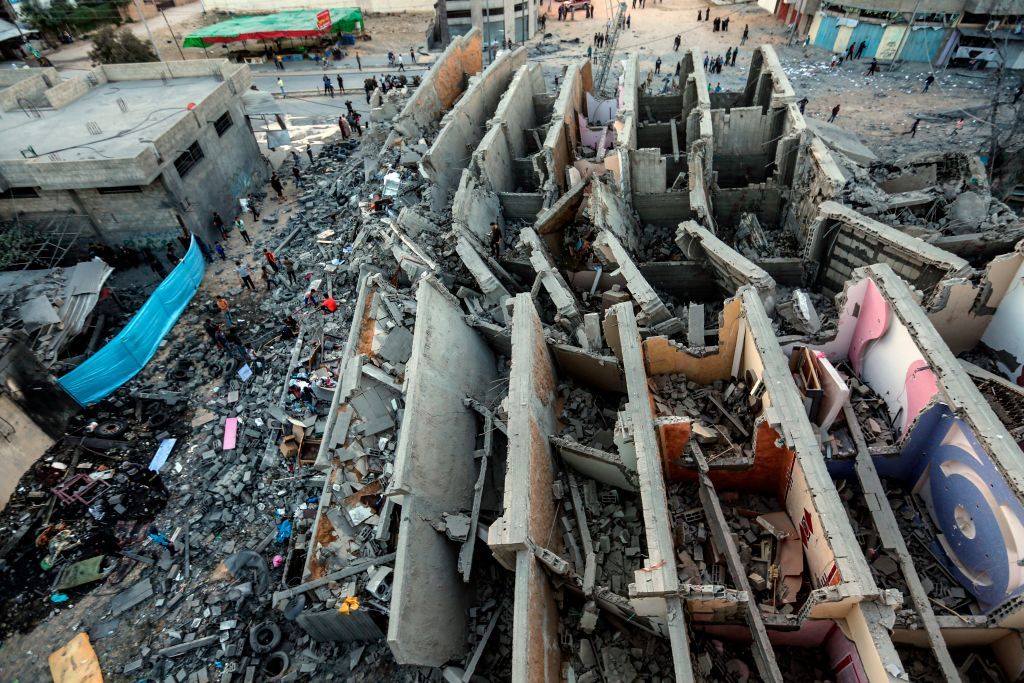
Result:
495,240
928,82
849,51
218,225
913,128
160,539
401,63
835,113
359,62
240,227
271,259
275,182
707,60
267,273
341,85
328,87
296,175
735,53
746,34
243,274
676,43
289,269
872,68
629,19
958,127
219,248
802,104
280,85
657,66
225,310
254,207
716,25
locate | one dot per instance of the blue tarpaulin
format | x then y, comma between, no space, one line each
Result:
127,353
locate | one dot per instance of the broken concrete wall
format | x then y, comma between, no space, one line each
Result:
787,458
434,473
563,135
505,140
647,170
529,512
817,178
842,240
953,449
767,84
462,127
732,269
442,85
962,309
653,312
658,578
608,211
745,141
626,120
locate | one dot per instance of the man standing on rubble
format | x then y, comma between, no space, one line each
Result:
275,182
802,104
495,240
289,269
928,82
225,309
244,275
657,66
160,539
835,113
271,259
240,226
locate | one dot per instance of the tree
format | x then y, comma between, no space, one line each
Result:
112,46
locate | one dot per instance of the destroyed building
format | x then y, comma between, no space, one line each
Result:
104,156
689,414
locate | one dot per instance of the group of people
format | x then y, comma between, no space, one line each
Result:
570,12
718,24
714,66
350,121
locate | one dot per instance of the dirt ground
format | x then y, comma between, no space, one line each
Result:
878,108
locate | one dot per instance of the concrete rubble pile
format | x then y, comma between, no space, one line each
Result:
722,413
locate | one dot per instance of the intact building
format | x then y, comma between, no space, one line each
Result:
130,153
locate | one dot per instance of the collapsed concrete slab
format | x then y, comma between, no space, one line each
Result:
529,512
434,473
654,314
461,128
842,239
782,461
732,269
441,87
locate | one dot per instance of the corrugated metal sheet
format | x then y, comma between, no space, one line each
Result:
331,625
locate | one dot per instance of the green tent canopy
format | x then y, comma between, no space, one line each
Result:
294,24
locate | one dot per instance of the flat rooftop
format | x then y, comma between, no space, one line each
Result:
151,108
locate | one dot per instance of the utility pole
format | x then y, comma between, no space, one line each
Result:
173,37
142,18
903,38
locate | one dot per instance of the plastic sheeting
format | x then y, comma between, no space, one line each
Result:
127,353
291,24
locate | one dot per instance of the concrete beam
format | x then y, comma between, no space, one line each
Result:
733,269
528,507
659,576
891,537
653,312
434,473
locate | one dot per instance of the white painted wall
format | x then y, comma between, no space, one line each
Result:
1004,332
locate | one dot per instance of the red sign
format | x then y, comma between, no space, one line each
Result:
323,20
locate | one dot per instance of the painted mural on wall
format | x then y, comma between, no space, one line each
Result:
979,518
